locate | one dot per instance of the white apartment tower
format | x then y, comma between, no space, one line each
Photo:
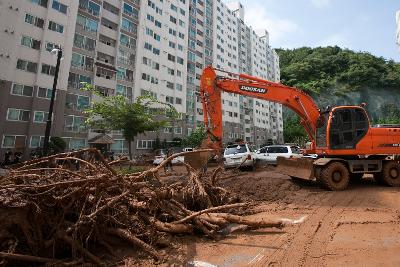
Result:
238,49
162,62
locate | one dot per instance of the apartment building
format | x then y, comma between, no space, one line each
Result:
29,31
103,55
162,63
238,49
129,48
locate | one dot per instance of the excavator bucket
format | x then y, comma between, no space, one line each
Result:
296,167
198,160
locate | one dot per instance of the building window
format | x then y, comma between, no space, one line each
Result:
178,101
44,92
27,66
13,141
178,130
53,26
74,123
172,19
30,42
77,102
87,24
22,90
127,41
75,143
169,99
90,6
170,85
50,46
145,144
14,114
171,58
59,7
84,42
78,80
38,22
124,90
36,141
49,70
42,3
130,10
128,25
40,116
119,146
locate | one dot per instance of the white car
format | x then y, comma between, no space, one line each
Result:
269,154
238,155
161,156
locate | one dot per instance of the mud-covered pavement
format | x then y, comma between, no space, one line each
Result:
356,227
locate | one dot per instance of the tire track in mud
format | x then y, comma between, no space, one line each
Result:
313,235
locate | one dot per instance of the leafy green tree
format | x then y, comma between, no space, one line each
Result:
146,113
195,138
293,131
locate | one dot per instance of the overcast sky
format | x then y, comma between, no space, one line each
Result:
361,25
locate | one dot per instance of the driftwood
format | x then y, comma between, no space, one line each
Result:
55,212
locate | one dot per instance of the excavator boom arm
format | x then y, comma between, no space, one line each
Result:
242,84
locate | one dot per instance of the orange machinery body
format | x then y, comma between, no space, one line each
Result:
371,140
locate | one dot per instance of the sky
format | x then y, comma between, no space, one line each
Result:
360,25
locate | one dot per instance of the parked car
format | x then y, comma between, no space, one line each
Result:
161,155
268,154
238,155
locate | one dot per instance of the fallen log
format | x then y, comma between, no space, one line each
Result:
213,209
25,258
127,236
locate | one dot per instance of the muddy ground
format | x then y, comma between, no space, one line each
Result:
356,227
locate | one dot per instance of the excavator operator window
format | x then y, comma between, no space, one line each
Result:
348,127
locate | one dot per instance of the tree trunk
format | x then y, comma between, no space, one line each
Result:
130,149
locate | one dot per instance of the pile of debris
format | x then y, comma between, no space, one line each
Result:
69,209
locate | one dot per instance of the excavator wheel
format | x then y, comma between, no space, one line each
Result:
317,174
391,173
335,176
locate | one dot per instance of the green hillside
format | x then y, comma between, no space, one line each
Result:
336,76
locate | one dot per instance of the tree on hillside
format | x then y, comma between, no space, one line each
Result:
316,70
133,118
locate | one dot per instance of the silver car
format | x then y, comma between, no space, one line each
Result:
238,155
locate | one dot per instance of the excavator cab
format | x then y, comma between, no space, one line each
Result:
348,125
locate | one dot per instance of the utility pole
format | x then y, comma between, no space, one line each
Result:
53,96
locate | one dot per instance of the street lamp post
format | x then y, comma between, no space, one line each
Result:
53,96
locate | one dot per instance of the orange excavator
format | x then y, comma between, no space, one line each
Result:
346,144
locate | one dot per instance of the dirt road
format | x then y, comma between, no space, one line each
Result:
356,227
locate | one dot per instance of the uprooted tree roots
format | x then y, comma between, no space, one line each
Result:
67,207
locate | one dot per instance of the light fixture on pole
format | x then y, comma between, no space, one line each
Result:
57,52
